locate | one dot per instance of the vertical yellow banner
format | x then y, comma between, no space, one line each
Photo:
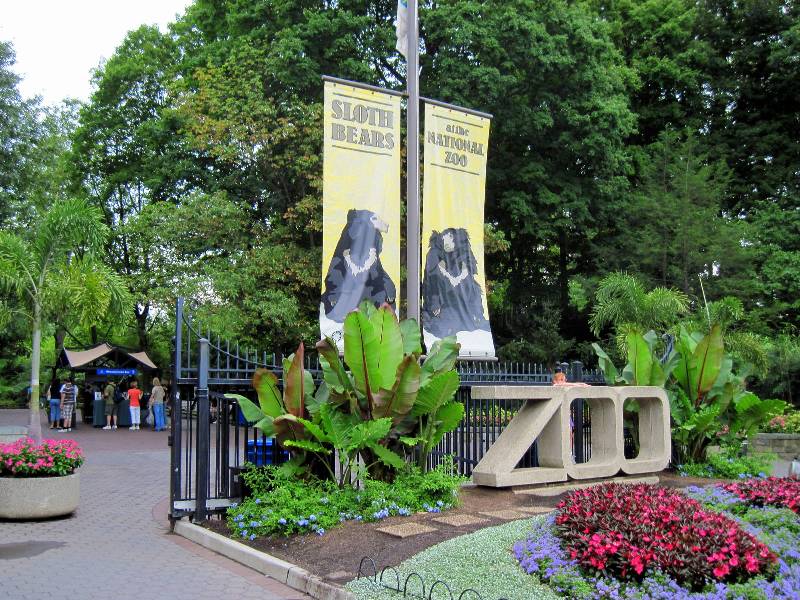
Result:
454,284
360,203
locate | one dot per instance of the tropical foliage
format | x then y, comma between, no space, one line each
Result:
370,415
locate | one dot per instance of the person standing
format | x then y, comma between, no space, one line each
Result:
54,395
157,404
134,397
69,397
111,405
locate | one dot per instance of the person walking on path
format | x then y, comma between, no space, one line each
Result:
69,397
134,396
157,405
54,396
111,405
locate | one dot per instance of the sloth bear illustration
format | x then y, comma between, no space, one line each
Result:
356,273
452,299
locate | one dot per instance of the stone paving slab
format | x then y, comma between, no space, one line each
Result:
506,515
116,545
405,530
535,510
460,520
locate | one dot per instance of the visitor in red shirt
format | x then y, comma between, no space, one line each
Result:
134,396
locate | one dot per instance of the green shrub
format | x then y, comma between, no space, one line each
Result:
788,423
284,505
726,464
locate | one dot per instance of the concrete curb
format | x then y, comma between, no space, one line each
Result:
285,572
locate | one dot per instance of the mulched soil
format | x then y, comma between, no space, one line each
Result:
336,555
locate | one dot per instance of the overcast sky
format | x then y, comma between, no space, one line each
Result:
59,42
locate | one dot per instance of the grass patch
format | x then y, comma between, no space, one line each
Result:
482,561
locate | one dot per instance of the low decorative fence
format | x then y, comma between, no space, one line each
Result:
211,442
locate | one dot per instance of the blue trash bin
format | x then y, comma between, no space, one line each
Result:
260,453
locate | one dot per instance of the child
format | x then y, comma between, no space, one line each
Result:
134,396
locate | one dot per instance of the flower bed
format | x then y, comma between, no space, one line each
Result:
642,541
773,491
51,458
284,505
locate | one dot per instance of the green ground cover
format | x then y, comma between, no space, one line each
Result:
481,561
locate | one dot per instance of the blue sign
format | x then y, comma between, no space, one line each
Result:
116,371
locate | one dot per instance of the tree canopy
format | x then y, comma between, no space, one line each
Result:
657,138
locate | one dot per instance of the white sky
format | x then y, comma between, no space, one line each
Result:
59,42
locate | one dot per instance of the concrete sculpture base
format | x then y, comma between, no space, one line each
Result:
38,497
545,417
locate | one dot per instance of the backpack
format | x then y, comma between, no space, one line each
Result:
118,395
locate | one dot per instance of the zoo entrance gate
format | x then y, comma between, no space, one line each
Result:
211,442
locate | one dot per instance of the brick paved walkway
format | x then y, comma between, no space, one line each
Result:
117,545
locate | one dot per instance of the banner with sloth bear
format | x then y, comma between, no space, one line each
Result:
454,285
360,203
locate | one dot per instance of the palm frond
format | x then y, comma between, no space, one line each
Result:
68,226
749,348
18,271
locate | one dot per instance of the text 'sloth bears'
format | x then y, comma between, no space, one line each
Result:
356,273
451,297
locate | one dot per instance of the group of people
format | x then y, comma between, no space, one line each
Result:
64,398
62,403
114,396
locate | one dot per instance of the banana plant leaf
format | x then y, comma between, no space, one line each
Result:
606,365
390,344
439,391
412,338
269,396
441,357
397,402
294,383
640,360
361,348
706,363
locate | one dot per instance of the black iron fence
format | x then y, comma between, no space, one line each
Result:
211,441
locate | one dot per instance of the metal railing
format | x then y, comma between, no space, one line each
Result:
211,442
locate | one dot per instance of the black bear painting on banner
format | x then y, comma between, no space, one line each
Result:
355,272
452,300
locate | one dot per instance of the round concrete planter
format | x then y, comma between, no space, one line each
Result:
38,497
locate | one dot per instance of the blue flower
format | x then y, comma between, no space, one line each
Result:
258,500
241,525
439,503
252,536
244,533
281,521
254,523
324,500
302,522
312,518
320,531
403,512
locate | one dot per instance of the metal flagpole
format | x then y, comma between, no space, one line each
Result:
412,184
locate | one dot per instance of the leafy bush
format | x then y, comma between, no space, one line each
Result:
773,491
788,423
283,505
727,464
51,458
626,530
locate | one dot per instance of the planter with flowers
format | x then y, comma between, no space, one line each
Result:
39,480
